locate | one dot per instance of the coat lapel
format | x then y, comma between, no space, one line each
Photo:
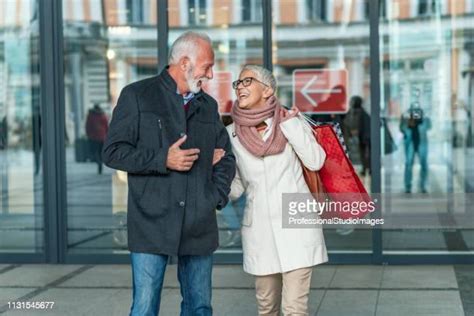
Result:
193,107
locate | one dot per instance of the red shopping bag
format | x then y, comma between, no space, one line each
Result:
338,182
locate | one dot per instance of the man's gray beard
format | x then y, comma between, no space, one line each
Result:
193,83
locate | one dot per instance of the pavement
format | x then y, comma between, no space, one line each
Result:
445,290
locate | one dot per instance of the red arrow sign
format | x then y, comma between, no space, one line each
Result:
320,90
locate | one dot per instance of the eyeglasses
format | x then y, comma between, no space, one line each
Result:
247,81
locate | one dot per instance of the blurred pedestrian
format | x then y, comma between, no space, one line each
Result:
356,126
97,126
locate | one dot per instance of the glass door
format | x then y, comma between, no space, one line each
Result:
426,62
21,172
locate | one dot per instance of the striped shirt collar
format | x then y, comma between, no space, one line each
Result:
187,97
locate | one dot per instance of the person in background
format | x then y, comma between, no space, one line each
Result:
414,125
356,125
97,126
4,133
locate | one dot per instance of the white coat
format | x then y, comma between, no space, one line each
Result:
267,247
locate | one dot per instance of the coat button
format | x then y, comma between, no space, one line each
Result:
182,203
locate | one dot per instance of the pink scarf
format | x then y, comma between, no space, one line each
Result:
246,120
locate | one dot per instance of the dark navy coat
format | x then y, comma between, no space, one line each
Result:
169,212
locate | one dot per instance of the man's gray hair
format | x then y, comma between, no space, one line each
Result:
187,45
262,74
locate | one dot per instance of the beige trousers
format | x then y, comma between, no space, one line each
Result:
288,291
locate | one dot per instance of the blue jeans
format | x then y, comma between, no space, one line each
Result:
409,161
194,275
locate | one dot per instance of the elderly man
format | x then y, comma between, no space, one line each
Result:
164,133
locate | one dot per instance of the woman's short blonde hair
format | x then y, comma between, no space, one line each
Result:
262,74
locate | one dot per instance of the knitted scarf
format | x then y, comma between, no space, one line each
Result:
246,120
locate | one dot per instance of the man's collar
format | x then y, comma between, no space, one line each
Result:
171,84
168,81
187,97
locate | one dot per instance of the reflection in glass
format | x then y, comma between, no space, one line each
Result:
328,42
21,191
427,55
108,44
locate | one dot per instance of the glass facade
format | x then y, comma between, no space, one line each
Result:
21,191
320,52
317,35
107,44
427,100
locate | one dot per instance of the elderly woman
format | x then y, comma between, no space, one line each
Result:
269,144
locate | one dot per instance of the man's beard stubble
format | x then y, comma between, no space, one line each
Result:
193,84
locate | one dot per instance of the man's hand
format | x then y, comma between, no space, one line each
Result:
181,159
218,154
